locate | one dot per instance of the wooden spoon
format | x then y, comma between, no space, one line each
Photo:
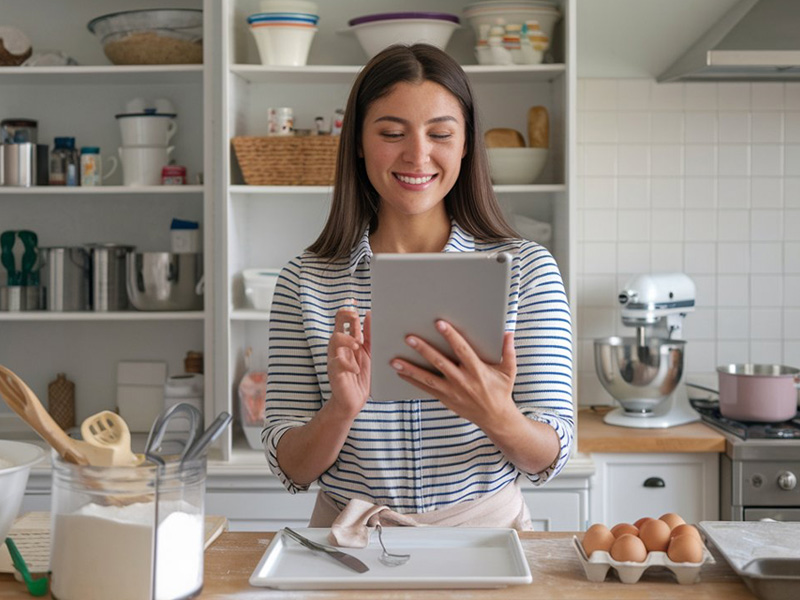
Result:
25,403
107,429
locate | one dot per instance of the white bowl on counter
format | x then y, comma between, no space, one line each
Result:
16,460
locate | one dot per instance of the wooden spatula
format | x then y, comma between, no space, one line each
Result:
24,402
108,430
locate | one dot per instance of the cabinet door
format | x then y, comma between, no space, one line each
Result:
631,486
556,510
261,510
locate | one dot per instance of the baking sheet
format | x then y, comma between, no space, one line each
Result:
441,557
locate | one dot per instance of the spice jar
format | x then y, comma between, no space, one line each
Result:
117,529
91,166
64,162
173,175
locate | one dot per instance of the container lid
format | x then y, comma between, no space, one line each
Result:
64,142
146,113
90,150
403,15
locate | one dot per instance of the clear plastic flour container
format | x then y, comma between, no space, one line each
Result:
103,525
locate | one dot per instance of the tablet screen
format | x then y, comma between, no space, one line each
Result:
410,292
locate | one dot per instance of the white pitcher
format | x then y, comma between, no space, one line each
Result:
141,165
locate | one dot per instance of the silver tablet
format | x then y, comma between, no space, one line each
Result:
411,291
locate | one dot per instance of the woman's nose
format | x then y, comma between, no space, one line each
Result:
417,150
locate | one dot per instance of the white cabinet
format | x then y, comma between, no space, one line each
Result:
82,101
630,486
265,226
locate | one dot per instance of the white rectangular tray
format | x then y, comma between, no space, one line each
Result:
441,557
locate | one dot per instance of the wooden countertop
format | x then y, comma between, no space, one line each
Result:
557,573
596,436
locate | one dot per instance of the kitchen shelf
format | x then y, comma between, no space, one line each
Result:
346,73
103,74
40,315
249,314
111,190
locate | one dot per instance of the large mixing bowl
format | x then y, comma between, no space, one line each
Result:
16,459
165,280
639,377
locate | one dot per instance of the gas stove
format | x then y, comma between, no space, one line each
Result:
760,468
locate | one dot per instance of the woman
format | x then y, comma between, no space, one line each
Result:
413,177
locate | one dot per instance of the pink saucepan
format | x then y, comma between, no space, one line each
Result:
765,393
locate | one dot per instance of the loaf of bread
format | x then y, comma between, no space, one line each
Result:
502,137
538,127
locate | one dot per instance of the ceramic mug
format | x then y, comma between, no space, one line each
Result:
154,129
141,165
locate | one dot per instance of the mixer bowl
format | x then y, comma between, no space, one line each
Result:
165,281
639,377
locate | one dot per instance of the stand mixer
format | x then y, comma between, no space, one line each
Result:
644,373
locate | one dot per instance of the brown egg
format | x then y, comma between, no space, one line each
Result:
639,522
655,535
685,528
672,519
622,528
685,548
628,548
597,537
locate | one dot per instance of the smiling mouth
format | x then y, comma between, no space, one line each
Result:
414,180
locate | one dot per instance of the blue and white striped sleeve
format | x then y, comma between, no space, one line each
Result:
293,394
543,343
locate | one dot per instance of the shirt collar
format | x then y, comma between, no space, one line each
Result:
459,241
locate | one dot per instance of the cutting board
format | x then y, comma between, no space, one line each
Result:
31,534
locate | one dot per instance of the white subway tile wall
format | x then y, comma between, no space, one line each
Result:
702,178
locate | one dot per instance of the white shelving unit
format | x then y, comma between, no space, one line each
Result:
266,226
81,101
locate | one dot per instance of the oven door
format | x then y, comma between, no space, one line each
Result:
776,514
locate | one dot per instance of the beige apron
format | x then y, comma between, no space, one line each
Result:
351,526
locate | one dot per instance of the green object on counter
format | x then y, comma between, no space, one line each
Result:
36,587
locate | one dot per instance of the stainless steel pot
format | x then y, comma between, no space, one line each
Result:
66,277
108,276
165,280
758,392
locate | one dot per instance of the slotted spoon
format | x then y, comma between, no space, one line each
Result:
107,429
390,559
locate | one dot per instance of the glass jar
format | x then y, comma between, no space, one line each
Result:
65,163
103,525
91,166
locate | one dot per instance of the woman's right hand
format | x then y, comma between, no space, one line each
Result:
349,361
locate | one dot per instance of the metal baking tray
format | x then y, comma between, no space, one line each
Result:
765,554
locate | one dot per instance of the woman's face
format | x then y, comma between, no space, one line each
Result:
413,140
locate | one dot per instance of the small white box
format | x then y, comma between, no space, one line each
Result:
140,405
185,240
141,372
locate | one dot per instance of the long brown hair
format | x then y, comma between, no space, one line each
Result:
471,202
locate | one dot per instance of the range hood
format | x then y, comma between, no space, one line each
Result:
757,40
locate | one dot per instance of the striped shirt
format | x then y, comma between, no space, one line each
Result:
417,455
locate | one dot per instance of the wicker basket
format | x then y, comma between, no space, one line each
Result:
287,160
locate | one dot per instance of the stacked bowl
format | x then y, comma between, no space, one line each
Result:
377,31
284,31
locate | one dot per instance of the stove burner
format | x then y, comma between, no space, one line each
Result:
709,411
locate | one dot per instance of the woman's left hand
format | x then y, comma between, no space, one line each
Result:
477,391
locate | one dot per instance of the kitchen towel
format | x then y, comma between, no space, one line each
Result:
351,526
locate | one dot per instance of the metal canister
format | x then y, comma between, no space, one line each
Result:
65,274
19,164
108,280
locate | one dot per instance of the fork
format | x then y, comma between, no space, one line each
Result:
390,559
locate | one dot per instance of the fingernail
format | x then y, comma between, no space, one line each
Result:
397,365
441,325
411,341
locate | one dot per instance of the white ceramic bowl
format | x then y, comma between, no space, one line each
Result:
509,13
259,286
516,166
21,456
304,6
283,43
376,35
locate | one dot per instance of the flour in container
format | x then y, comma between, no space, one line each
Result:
5,464
102,552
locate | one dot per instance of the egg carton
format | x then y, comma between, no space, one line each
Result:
597,566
